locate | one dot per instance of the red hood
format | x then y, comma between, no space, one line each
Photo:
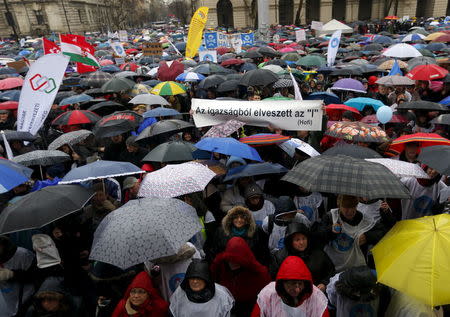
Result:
238,251
293,268
142,280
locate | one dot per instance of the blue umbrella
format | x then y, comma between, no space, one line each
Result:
255,169
247,67
110,69
228,146
181,46
436,46
75,99
445,101
381,39
12,175
151,82
190,76
360,102
24,53
9,71
160,112
327,97
10,95
99,170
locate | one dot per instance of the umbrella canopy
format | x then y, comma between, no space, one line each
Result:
41,157
352,150
262,139
212,81
12,175
12,135
9,105
190,77
10,95
10,83
258,77
255,169
413,37
223,130
402,50
395,81
173,151
160,112
390,63
117,123
335,111
412,258
100,170
424,140
436,157
106,107
422,60
161,226
96,79
118,84
311,61
347,176
357,131
427,72
168,88
69,138
176,180
209,68
349,84
75,117
442,119
42,207
401,168
164,128
361,102
422,105
228,85
75,99
149,99
228,146
327,97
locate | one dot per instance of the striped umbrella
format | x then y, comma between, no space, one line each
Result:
424,140
168,88
76,117
262,139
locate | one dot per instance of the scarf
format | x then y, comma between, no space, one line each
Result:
202,296
235,232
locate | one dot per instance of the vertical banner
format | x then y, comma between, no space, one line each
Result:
196,27
39,91
211,40
333,47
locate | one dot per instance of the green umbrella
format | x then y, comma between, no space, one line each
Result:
311,60
426,52
118,84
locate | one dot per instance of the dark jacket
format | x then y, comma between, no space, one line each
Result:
113,150
133,157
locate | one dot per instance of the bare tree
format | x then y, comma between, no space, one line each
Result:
299,10
181,10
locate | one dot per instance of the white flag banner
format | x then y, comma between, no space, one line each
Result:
39,91
118,49
293,115
333,47
8,150
298,94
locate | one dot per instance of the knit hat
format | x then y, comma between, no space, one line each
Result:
347,201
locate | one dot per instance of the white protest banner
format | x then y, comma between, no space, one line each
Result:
207,56
123,36
119,60
300,35
39,90
291,115
333,47
315,25
118,49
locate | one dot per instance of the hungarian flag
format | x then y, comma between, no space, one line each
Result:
82,68
78,49
50,47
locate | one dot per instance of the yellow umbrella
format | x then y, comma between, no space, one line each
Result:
414,258
434,36
168,88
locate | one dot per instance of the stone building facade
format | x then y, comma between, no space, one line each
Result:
241,13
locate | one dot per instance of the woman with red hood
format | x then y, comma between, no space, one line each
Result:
141,300
293,293
238,270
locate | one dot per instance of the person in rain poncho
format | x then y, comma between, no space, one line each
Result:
346,230
199,296
141,300
260,207
292,294
238,270
309,203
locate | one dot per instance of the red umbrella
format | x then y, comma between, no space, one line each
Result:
10,83
443,38
76,117
391,17
323,44
129,66
262,139
424,140
232,61
427,72
168,71
373,119
105,62
335,111
9,105
222,50
131,51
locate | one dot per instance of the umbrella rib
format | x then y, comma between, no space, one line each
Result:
99,177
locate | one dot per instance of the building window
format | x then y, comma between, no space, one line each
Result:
39,17
79,16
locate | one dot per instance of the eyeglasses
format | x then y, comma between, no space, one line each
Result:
138,291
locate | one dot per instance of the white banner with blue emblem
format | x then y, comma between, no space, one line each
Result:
333,47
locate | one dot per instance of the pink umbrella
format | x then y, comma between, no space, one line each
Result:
10,83
287,50
105,62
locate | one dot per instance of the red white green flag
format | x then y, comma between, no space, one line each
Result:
78,49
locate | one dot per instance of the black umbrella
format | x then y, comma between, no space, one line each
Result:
106,107
348,71
258,77
211,81
118,84
63,94
117,123
41,157
446,79
96,79
352,150
253,54
94,92
173,151
42,207
373,47
422,105
12,135
229,85
255,169
436,157
234,76
268,51
278,62
164,128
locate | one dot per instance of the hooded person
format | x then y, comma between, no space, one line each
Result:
255,202
141,300
199,296
237,269
234,196
133,152
292,294
298,242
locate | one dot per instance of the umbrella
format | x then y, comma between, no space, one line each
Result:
435,47
42,207
10,95
442,119
357,131
373,47
41,157
9,105
117,123
262,139
413,37
142,230
258,77
173,151
12,135
75,99
352,150
402,50
400,168
164,128
395,81
422,105
327,97
413,258
168,88
176,180
228,85
10,83
228,146
252,54
149,99
255,169
349,84
190,77
436,157
349,71
361,102
76,117
335,111
69,138
160,112
106,107
372,119
347,176
390,63
211,81
424,140
283,83
443,38
100,170
427,72
311,61
12,175
96,79
126,73
223,130
247,67
422,60
208,69
118,84
274,69
232,61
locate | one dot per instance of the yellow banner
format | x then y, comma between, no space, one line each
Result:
195,34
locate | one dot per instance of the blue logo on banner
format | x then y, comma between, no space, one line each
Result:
335,42
210,40
247,39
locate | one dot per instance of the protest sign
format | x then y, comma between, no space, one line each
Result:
118,49
315,25
300,35
207,56
210,39
152,49
39,90
248,39
119,60
123,36
291,115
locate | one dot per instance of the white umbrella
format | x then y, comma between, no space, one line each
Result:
153,71
401,168
402,50
149,99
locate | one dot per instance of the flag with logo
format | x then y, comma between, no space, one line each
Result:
333,47
210,39
248,39
76,47
118,49
50,47
196,27
39,91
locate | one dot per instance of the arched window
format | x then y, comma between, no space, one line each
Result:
286,12
339,7
312,10
225,14
365,10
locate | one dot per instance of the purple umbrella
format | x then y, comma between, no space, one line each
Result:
349,84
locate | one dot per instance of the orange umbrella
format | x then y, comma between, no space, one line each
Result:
424,139
391,17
